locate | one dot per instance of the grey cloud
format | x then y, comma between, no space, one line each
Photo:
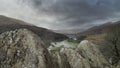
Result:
83,11
62,14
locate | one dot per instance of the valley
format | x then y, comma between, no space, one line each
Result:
59,33
29,46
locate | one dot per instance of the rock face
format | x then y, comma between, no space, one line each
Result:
90,51
23,49
87,55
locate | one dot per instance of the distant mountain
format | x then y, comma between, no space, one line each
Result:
80,34
8,24
99,29
68,31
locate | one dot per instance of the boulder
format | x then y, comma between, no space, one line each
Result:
91,53
23,49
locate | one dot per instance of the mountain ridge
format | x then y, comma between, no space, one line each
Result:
8,24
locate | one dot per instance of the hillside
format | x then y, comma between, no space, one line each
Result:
107,39
7,24
99,29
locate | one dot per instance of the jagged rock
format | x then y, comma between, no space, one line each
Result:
91,53
74,58
87,55
23,49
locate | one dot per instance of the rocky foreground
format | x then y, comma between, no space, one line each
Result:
22,48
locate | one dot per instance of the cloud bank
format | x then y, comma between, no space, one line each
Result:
62,14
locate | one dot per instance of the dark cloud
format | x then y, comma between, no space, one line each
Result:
78,12
62,14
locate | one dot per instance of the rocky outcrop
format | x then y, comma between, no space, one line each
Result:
75,59
87,55
23,49
91,53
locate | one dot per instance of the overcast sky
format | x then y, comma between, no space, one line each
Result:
62,14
